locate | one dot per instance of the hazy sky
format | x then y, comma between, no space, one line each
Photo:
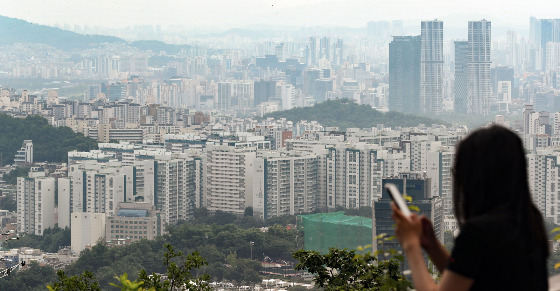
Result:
225,14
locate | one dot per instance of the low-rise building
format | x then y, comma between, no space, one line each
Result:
133,222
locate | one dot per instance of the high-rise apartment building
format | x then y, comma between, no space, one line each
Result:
285,183
404,74
35,203
353,175
224,96
285,93
431,70
461,74
478,80
440,164
229,178
95,187
166,180
175,187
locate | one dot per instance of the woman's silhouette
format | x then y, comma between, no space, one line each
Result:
502,244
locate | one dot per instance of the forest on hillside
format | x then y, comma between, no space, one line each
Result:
50,144
345,113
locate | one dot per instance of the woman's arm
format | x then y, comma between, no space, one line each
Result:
409,232
437,252
420,275
423,280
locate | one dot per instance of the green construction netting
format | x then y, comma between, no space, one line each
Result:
325,230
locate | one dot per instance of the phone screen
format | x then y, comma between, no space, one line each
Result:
397,198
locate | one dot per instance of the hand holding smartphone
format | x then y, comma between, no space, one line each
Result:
398,199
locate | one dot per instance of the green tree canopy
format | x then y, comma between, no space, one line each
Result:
346,270
344,113
50,144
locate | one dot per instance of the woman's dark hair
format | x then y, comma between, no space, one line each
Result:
490,178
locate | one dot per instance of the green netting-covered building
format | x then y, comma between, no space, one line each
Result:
325,230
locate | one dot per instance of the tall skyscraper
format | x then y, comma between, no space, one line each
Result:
550,32
312,51
535,30
543,31
478,81
461,73
404,74
325,48
431,71
338,52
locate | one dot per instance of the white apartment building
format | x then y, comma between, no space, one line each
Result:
285,183
394,163
144,186
285,93
353,175
229,175
418,147
536,165
35,203
166,180
544,181
86,230
96,187
25,153
504,96
439,168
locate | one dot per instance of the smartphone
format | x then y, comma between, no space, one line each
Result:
397,198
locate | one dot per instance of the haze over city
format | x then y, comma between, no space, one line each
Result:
224,15
253,136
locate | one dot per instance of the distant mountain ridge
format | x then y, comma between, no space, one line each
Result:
14,30
344,113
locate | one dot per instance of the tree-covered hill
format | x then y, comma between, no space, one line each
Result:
15,30
346,114
50,144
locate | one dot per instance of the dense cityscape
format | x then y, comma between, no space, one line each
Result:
142,136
